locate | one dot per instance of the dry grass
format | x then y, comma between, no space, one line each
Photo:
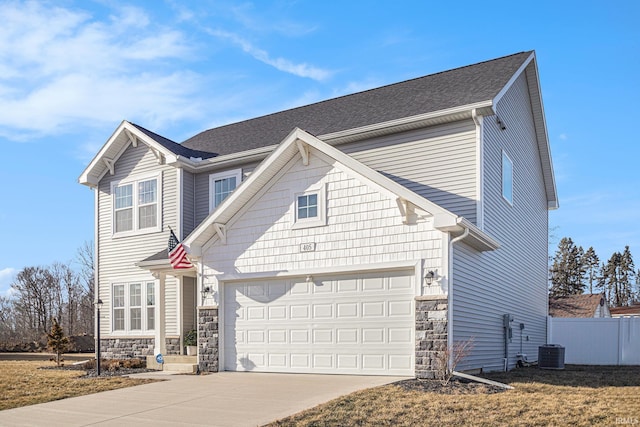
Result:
577,396
22,383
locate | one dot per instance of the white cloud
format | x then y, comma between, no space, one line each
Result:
282,64
563,136
7,275
60,67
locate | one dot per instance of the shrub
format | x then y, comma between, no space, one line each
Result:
191,338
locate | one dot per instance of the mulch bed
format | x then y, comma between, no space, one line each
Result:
455,386
92,373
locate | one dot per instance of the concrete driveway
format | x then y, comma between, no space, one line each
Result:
222,399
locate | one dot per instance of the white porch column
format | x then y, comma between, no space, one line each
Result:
160,336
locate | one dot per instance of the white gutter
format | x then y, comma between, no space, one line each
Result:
450,292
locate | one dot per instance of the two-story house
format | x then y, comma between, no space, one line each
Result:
360,235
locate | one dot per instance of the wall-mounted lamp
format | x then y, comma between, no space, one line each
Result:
205,291
309,278
500,123
429,277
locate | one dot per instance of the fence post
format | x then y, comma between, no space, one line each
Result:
620,340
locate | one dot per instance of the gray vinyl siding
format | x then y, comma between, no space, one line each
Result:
189,304
118,256
188,204
512,279
438,162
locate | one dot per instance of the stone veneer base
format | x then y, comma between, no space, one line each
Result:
208,335
431,334
126,348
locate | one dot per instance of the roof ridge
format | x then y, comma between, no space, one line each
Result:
359,92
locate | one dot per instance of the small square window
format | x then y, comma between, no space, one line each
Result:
309,209
308,206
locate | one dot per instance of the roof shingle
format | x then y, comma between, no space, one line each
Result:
574,305
458,87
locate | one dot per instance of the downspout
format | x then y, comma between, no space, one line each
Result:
478,120
450,292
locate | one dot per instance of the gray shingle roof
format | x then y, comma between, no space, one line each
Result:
435,92
174,147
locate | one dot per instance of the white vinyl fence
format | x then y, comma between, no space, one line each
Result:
603,341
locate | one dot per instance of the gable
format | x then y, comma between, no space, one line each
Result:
363,225
300,143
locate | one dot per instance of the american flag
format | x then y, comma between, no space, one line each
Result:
177,254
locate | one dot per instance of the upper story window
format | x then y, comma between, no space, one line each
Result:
133,307
136,206
309,208
221,185
507,178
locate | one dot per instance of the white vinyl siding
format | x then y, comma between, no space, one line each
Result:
364,228
118,256
512,279
438,162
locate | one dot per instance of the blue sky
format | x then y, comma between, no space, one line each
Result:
71,71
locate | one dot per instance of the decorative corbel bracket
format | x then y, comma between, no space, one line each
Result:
110,165
304,151
221,231
132,137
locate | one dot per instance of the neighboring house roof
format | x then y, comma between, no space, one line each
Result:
298,141
583,305
469,85
625,311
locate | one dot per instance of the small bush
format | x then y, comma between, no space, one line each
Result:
115,364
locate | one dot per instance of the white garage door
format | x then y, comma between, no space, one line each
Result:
358,324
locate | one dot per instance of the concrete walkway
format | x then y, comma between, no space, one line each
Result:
222,399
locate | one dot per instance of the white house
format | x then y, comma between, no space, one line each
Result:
358,235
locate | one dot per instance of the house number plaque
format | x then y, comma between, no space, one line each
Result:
307,247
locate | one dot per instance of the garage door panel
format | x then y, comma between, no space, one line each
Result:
351,325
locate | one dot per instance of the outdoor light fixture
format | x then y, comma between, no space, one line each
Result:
429,277
205,291
309,278
98,305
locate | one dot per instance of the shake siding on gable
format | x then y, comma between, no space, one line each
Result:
439,163
363,228
118,256
512,279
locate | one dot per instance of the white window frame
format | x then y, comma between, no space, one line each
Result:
145,328
134,181
235,173
317,221
506,182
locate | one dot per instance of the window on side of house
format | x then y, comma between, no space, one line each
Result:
136,207
507,178
310,208
134,307
221,185
118,308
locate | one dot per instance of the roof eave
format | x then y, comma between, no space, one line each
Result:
97,168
